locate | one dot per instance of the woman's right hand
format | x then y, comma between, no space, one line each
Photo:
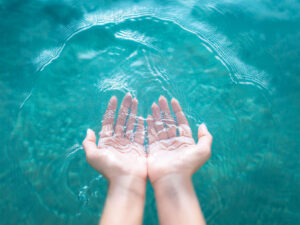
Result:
171,155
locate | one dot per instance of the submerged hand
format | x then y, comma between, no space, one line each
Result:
119,155
170,154
171,161
121,158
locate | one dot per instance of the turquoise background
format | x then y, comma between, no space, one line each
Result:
232,64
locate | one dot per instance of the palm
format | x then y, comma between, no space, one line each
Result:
169,153
123,156
118,152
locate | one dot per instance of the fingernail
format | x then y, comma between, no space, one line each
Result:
203,127
154,104
89,131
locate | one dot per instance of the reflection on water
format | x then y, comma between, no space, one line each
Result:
231,65
238,70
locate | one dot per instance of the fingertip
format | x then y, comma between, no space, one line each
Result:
128,96
154,105
127,100
175,105
90,135
200,130
113,98
113,101
174,100
203,128
89,132
135,101
203,131
162,98
163,103
89,143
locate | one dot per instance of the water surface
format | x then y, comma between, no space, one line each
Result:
233,65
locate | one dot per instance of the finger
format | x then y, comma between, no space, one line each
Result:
140,131
89,143
158,124
152,136
204,136
183,125
131,120
108,118
167,119
123,113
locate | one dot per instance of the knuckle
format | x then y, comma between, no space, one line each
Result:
206,152
89,156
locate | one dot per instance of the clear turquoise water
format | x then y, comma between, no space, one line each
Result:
232,64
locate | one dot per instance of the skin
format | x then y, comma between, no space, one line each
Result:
171,161
121,158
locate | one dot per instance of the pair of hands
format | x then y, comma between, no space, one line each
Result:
120,154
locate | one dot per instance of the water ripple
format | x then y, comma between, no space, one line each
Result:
239,71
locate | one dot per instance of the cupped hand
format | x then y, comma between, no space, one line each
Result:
169,153
120,154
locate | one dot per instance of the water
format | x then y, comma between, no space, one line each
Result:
232,64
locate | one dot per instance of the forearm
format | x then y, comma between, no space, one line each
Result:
125,202
177,202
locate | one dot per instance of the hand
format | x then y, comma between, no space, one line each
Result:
170,154
120,155
121,158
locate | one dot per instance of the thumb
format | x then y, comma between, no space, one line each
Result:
89,143
204,137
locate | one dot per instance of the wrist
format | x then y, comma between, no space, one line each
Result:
172,184
177,201
127,185
125,198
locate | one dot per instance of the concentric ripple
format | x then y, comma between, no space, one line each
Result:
182,15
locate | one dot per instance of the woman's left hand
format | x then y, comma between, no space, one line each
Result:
120,154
